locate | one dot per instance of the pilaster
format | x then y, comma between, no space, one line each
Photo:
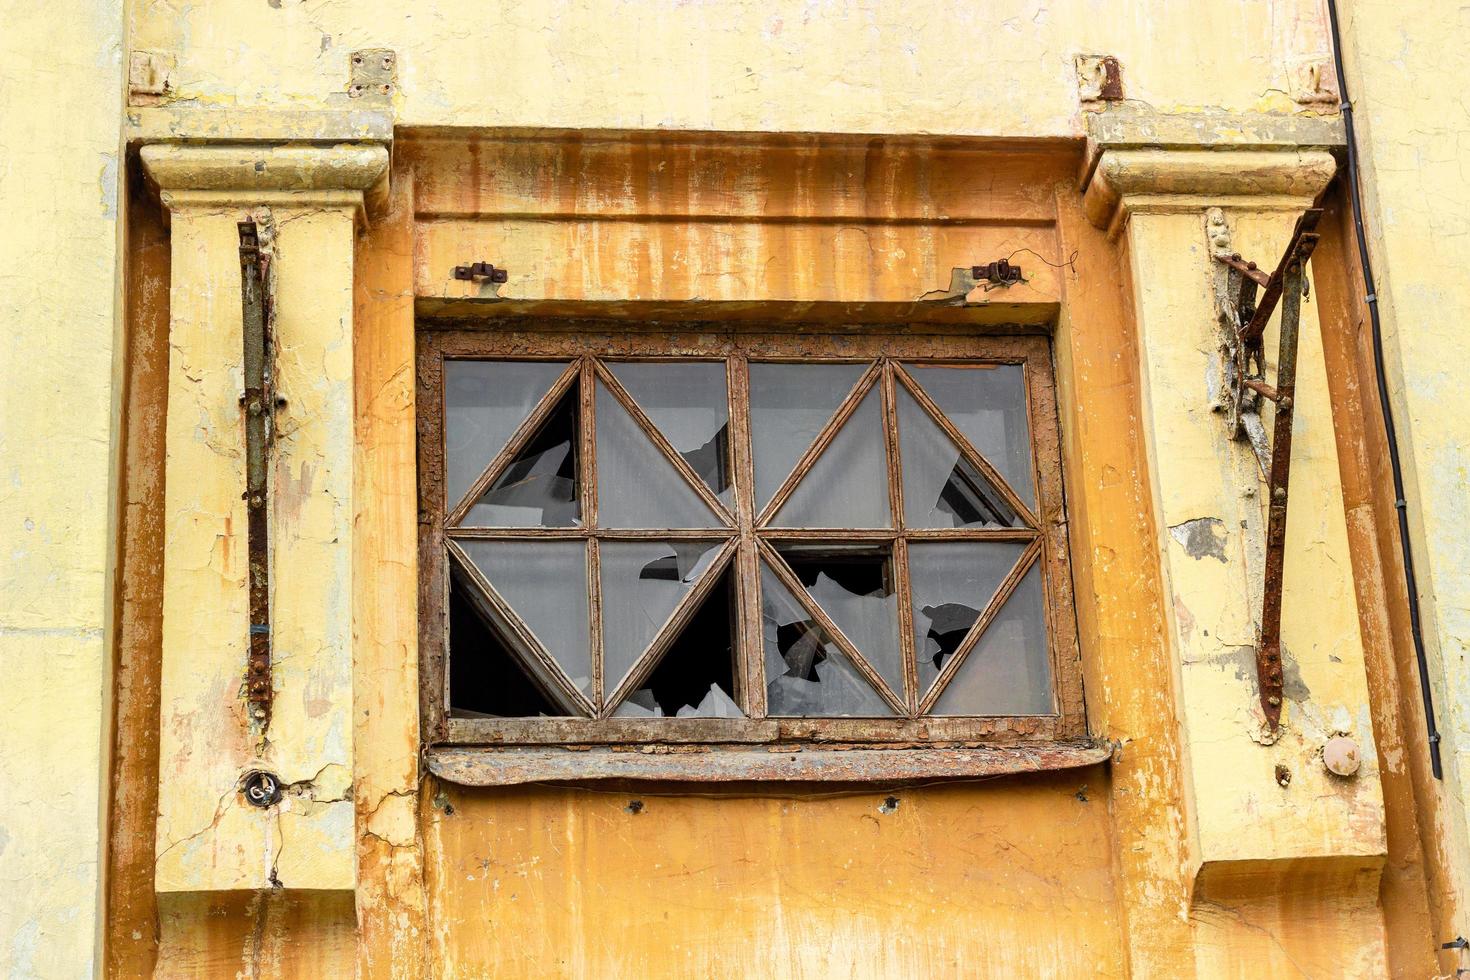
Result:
1260,805
209,836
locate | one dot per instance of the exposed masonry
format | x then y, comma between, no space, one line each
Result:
1203,537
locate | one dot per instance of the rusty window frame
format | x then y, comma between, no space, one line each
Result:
887,348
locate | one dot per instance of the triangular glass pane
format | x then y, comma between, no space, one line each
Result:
1008,672
686,400
848,484
484,403
856,590
951,583
987,402
637,486
789,405
486,679
540,488
545,583
941,487
806,673
642,582
695,677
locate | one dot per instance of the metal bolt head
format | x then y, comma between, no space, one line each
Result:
261,789
1279,494
1342,756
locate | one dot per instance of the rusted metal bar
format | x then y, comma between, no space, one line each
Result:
259,405
1247,269
1268,650
1305,225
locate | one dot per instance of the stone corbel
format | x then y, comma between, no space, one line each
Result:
1258,802
346,175
1174,181
211,835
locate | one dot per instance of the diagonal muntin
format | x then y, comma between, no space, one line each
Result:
982,622
524,635
523,434
963,444
788,578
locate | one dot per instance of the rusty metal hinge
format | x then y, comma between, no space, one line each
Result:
1243,322
259,404
480,270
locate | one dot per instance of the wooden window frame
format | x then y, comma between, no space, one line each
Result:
577,341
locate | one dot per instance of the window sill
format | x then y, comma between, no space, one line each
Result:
510,766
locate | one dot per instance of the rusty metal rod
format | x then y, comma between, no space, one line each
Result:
1268,651
258,408
1253,330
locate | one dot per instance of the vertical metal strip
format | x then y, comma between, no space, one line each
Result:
258,406
1268,652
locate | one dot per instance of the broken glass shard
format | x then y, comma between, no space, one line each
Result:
951,584
486,679
988,404
856,590
789,405
545,584
637,486
687,402
1008,672
806,673
484,403
941,487
848,484
540,487
695,677
642,582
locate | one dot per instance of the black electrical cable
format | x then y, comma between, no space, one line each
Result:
1400,503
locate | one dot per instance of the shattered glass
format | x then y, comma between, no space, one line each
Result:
847,486
695,677
806,673
637,485
1008,672
686,401
856,591
789,405
987,402
951,584
942,488
545,583
540,486
484,403
642,582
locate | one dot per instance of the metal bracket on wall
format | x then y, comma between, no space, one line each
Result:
1243,322
259,403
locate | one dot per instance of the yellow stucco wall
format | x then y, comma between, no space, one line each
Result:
1001,69
60,99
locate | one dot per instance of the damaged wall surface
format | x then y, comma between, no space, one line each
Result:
821,166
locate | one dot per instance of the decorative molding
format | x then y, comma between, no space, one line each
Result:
350,175
1172,181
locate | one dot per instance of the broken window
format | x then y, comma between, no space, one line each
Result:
741,533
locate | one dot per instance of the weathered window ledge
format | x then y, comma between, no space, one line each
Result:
513,765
